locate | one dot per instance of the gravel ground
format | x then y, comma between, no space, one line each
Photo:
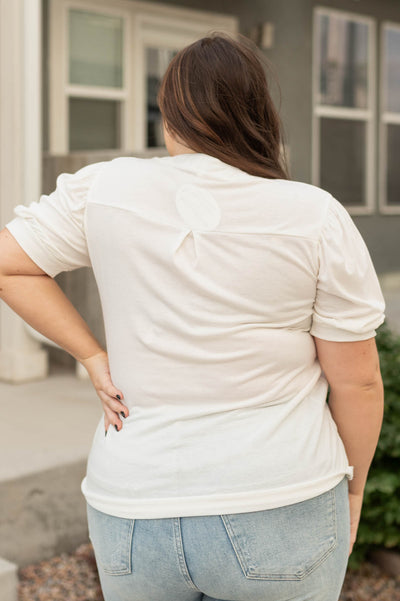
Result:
74,578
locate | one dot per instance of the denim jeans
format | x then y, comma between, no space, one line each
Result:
298,552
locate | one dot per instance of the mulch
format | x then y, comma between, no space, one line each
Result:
67,577
370,583
74,577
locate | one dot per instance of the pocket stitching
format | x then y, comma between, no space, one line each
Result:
128,569
242,556
231,535
303,573
128,541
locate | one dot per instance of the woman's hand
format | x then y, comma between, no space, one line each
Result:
355,502
99,371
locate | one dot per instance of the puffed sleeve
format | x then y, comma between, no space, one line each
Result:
52,230
349,304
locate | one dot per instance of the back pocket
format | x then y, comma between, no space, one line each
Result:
111,538
286,543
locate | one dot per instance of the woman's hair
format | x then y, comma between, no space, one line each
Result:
214,97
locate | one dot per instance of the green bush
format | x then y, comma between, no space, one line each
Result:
380,518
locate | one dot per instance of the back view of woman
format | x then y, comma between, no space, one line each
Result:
231,297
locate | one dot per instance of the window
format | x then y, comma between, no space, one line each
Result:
95,80
157,60
343,107
106,64
390,119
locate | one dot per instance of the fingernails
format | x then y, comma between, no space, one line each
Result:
105,432
116,427
123,414
118,397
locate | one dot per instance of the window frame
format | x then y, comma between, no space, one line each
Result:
367,115
143,23
385,118
60,90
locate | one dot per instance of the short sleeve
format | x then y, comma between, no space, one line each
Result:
51,231
349,304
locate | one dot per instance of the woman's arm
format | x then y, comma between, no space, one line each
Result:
356,404
39,300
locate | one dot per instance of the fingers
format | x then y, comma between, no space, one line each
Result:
110,396
106,424
109,389
114,404
353,537
113,409
112,419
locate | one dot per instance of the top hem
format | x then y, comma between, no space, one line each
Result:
213,504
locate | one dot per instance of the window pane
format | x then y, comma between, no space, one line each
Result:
392,69
342,167
393,171
95,49
157,60
343,68
94,124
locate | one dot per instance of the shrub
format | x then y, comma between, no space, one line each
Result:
380,518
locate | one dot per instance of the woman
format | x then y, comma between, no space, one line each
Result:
231,297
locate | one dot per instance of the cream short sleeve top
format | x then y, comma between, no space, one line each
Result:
213,283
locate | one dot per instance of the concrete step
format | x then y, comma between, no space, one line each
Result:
8,580
46,436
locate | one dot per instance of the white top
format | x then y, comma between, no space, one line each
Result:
212,283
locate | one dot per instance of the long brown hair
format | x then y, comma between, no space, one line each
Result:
214,97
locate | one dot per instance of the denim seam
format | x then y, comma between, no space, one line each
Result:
300,575
128,540
181,555
333,546
231,535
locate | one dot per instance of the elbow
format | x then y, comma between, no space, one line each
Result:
372,378
373,383
369,385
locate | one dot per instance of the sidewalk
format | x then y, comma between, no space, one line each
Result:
47,432
32,414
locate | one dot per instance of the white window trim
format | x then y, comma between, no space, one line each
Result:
145,23
367,115
386,118
59,88
151,30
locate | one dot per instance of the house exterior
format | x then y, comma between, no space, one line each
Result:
78,84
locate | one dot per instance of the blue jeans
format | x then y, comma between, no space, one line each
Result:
298,552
